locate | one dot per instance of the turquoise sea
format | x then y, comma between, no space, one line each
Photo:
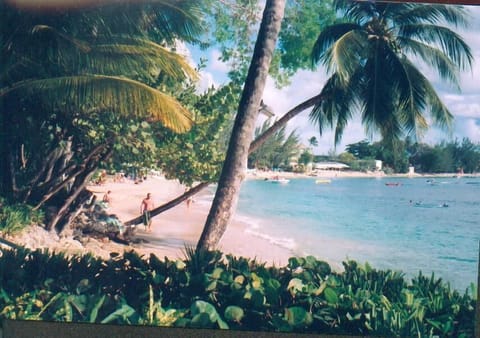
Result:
403,227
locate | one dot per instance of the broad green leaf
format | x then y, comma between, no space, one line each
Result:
202,320
330,296
297,316
124,312
295,285
95,309
201,306
234,313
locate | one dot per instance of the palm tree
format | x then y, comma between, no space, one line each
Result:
371,71
329,103
59,67
233,171
372,56
277,150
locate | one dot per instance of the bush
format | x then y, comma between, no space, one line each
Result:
210,290
14,218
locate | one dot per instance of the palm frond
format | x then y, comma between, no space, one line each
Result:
378,92
356,11
124,96
347,53
327,37
431,13
136,56
411,97
447,40
177,19
122,55
433,57
336,108
426,99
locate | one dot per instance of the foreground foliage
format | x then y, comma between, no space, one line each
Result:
209,290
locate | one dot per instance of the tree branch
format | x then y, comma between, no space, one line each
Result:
253,146
171,204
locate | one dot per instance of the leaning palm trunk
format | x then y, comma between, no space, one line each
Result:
253,146
233,172
313,101
171,204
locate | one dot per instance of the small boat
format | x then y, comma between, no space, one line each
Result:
392,184
323,181
279,180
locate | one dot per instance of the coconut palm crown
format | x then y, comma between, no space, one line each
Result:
105,56
373,57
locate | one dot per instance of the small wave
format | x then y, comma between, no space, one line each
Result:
457,259
250,222
287,243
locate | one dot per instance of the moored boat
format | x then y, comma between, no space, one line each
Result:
323,181
279,180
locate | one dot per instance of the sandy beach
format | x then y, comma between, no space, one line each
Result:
178,227
182,225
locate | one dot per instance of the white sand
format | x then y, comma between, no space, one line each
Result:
181,226
176,228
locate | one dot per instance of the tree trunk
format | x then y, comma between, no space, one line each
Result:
253,146
171,204
91,164
233,171
283,121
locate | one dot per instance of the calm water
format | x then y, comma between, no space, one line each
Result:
365,220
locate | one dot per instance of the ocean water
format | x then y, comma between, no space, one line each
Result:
404,227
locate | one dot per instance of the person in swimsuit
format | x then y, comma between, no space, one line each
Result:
145,208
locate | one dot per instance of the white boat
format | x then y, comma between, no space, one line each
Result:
323,181
280,180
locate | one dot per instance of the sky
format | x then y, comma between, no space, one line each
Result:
464,105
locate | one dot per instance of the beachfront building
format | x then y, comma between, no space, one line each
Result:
331,166
378,165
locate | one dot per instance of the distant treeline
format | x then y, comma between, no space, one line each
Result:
445,157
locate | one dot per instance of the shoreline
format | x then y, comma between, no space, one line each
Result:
181,226
172,230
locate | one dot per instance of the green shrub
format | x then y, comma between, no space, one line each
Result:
15,218
210,290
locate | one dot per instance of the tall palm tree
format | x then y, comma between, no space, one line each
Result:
373,56
233,171
62,65
413,27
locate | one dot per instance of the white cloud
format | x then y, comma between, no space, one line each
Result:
215,64
205,82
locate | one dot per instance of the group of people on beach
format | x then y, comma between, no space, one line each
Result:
146,206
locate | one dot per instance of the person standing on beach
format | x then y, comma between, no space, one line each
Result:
106,198
145,208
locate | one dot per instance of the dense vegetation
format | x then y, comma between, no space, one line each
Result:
445,157
206,290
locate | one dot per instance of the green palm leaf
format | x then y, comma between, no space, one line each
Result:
337,107
346,53
124,96
443,65
137,57
431,13
371,71
328,37
116,55
449,42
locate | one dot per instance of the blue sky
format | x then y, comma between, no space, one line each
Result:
464,105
